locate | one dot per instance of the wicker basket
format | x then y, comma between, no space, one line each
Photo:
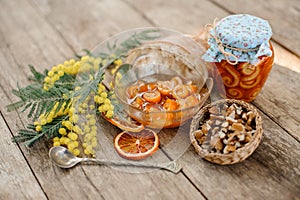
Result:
241,153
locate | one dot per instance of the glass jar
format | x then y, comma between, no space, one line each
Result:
240,48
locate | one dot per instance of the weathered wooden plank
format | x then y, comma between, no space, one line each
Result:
284,17
91,22
272,172
25,37
82,182
284,58
279,99
184,16
16,178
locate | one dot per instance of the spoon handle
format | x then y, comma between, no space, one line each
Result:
170,166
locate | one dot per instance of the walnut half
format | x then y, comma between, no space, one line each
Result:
227,127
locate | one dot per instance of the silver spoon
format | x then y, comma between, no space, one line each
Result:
63,158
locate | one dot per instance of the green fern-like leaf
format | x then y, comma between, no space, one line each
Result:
87,87
66,82
37,77
32,109
15,106
50,130
29,136
36,99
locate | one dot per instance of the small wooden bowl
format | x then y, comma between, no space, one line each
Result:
233,157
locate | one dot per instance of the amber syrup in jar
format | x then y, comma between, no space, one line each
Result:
243,81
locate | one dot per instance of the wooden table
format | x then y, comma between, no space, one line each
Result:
45,33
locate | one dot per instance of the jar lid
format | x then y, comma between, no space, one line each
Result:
239,38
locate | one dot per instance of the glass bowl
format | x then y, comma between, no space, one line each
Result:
170,55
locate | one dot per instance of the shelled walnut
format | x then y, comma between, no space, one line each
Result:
226,128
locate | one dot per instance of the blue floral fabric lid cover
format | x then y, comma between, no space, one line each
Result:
243,38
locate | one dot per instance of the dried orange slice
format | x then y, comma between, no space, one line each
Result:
126,123
138,103
181,91
152,86
136,146
176,81
153,96
164,87
143,88
170,105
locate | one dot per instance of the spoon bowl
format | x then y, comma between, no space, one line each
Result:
63,158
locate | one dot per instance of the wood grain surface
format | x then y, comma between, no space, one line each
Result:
45,33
